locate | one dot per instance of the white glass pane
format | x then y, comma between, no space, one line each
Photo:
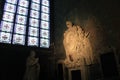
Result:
44,43
44,25
6,26
33,31
44,33
18,39
34,22
12,1
36,1
5,37
8,16
45,2
20,29
22,10
10,8
23,3
21,19
44,16
34,14
45,9
32,41
35,6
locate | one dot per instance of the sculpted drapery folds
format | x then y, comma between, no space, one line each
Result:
77,46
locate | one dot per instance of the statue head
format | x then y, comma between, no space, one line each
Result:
69,24
32,53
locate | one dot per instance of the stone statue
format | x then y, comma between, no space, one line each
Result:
32,67
77,46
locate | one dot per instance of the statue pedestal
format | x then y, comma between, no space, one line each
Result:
71,73
74,74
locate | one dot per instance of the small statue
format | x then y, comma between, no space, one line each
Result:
32,67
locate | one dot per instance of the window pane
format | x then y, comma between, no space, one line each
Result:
33,31
36,1
6,26
8,16
10,8
34,14
45,9
44,33
5,37
44,25
35,6
44,43
18,39
20,29
32,41
12,1
22,10
34,22
21,19
45,2
23,3
44,16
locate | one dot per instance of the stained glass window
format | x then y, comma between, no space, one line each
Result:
32,41
8,16
20,29
12,1
44,33
10,7
6,26
35,6
22,11
44,43
26,22
34,14
33,31
5,37
18,39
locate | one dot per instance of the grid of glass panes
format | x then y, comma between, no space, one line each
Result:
20,22
7,21
13,24
33,31
44,31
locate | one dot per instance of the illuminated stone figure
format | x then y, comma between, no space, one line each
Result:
77,46
32,67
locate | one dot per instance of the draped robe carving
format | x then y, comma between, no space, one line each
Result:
77,47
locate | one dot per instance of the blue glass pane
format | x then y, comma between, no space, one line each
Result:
35,6
18,39
34,14
45,9
45,2
44,43
32,41
45,16
5,37
44,24
34,22
20,29
8,16
21,19
36,1
23,3
44,33
6,26
10,8
33,31
12,1
22,10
